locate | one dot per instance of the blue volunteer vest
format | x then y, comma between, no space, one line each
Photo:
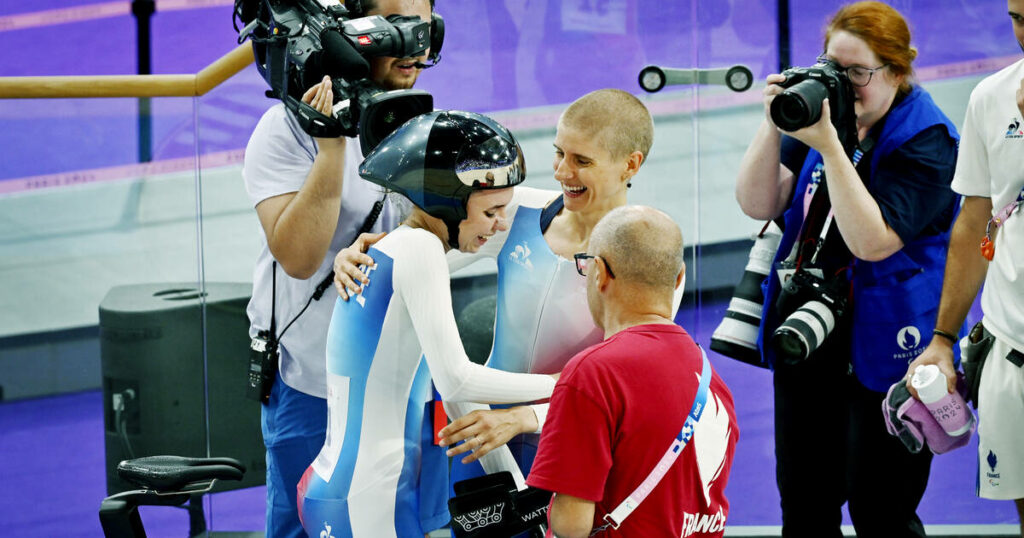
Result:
894,300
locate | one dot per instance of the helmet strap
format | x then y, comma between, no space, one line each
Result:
453,233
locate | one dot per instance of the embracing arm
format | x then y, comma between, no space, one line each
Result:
422,279
299,225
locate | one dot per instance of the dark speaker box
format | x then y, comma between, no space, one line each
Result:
175,366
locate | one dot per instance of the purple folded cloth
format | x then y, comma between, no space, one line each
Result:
910,421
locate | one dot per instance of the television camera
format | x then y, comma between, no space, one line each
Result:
297,42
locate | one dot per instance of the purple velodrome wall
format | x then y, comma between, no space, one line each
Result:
498,55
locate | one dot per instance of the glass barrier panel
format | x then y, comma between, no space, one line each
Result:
101,328
231,235
723,121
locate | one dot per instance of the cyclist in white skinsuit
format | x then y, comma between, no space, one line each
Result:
456,167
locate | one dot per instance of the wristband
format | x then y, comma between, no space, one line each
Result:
948,336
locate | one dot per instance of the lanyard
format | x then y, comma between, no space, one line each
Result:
988,248
622,511
812,189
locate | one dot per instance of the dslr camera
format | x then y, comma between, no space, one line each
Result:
799,105
810,307
297,42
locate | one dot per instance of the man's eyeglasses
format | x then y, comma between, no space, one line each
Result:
859,75
583,260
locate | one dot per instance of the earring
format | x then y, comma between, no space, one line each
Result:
629,184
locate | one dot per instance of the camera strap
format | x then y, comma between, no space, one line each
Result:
273,302
626,507
318,292
862,148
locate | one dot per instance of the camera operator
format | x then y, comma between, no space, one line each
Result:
871,244
310,202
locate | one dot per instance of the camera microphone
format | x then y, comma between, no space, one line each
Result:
339,59
738,77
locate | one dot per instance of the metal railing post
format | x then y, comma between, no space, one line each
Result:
143,11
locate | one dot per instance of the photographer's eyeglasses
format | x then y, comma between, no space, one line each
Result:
583,260
859,75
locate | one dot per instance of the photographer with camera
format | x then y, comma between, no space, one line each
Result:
310,202
861,177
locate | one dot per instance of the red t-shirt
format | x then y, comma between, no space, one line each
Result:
616,409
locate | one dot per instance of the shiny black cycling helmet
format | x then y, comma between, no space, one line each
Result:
438,159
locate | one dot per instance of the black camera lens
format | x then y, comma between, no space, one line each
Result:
386,111
799,105
804,331
790,345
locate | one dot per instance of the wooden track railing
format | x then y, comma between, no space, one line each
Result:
195,85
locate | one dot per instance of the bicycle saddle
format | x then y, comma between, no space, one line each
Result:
173,473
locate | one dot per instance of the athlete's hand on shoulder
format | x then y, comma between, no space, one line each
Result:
938,352
485,430
348,261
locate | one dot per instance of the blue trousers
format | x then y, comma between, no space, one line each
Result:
294,427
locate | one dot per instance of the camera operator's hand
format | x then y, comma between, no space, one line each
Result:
771,89
321,98
822,135
940,353
347,262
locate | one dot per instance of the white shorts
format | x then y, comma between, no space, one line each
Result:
1001,427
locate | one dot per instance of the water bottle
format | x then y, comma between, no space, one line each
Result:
949,409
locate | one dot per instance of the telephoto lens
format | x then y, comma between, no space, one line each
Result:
736,335
806,328
799,106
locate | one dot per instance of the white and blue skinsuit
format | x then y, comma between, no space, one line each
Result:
365,481
542,319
